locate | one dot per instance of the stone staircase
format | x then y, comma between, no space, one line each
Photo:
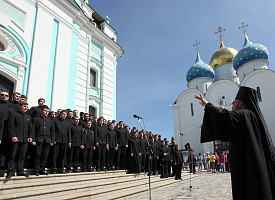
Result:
88,185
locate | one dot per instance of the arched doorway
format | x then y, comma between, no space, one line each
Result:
6,84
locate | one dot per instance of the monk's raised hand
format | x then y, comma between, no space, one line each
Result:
202,100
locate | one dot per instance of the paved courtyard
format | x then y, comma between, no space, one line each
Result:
205,186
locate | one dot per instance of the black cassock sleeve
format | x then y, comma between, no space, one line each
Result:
218,124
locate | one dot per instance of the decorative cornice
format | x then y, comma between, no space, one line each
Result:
96,61
95,98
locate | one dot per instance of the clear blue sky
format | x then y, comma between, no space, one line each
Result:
157,37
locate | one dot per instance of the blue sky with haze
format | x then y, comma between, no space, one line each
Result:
157,37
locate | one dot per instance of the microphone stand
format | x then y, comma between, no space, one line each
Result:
191,171
150,150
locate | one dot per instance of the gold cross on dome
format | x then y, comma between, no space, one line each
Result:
220,30
243,27
196,45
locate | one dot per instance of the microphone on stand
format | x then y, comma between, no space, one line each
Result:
135,116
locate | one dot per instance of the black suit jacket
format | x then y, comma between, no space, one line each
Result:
89,138
20,126
43,129
155,149
35,111
121,137
178,157
143,145
62,131
162,150
112,138
77,135
101,136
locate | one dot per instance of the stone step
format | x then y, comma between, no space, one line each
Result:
73,184
22,180
101,192
79,185
117,191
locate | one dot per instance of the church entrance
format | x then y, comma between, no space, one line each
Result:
6,84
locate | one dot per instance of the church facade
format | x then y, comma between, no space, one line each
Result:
219,82
60,50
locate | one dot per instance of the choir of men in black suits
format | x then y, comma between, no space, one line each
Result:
60,140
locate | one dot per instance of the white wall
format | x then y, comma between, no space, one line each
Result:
264,79
201,83
40,58
62,63
250,67
225,88
226,72
187,124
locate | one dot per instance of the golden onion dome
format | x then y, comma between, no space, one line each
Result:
222,56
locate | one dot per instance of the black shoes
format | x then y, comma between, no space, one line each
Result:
36,173
43,173
22,174
9,175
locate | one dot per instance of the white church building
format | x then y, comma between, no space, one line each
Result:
60,50
219,82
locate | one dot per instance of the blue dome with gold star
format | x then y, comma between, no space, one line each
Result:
199,69
250,52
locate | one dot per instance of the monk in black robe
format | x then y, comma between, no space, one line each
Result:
252,151
135,153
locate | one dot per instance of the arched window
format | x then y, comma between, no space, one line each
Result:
192,110
92,78
92,111
2,47
259,94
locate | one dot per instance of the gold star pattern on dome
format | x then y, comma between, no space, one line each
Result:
245,52
256,49
241,58
256,56
251,54
261,52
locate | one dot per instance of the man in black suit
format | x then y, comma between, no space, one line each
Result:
16,98
6,109
77,144
43,127
101,138
36,110
62,140
178,163
164,158
20,133
153,156
173,149
143,150
89,147
113,146
170,157
122,145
